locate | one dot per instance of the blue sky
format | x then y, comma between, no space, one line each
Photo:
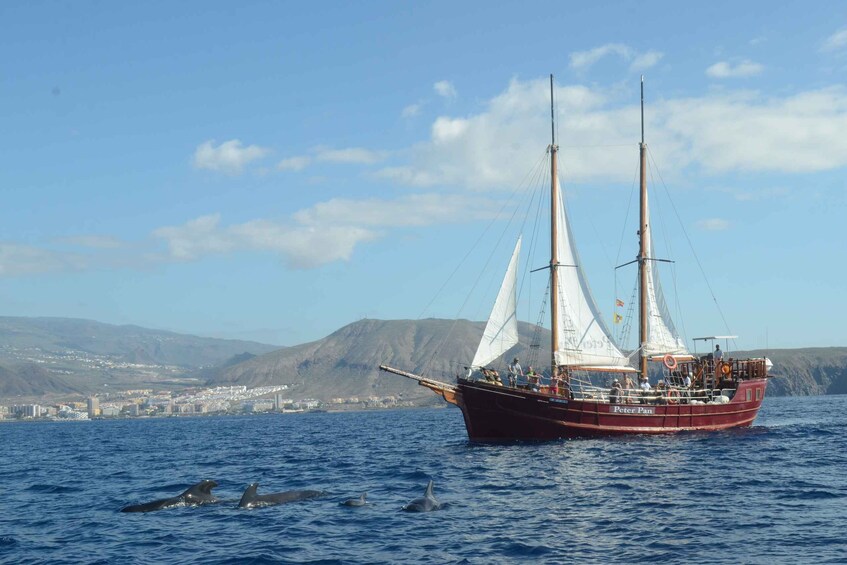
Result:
276,170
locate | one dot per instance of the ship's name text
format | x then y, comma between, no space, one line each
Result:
633,409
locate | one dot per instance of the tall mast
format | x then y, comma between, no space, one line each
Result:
554,227
643,251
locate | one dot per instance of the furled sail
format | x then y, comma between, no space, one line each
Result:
501,331
662,337
584,340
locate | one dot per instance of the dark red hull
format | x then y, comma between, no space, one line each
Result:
496,413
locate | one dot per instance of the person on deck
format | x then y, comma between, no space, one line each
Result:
616,392
718,354
645,389
628,387
514,371
554,383
686,383
533,378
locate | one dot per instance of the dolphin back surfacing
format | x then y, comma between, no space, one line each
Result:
199,494
426,503
361,501
252,499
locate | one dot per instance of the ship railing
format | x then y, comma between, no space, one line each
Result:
667,395
712,372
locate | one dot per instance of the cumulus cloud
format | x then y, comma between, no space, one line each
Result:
294,163
411,210
836,41
329,231
713,224
445,89
582,60
349,156
228,157
300,246
495,148
717,132
724,69
645,61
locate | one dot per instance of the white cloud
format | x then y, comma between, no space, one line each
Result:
294,163
93,241
748,132
750,195
326,232
645,61
744,68
718,132
713,224
582,60
411,210
20,260
300,246
445,88
412,110
835,41
495,148
351,155
348,156
228,157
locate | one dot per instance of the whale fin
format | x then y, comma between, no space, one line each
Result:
363,497
249,495
428,493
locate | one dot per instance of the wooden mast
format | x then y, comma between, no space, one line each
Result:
643,251
554,233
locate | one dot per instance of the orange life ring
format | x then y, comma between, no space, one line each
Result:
726,369
669,361
673,396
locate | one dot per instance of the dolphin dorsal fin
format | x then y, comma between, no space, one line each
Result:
249,494
428,493
363,496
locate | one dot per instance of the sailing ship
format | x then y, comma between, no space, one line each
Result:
694,393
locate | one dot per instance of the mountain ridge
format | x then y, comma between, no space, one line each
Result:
40,356
353,354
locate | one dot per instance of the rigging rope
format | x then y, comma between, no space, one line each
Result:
696,257
532,174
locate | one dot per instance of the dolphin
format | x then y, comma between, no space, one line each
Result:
356,501
201,493
426,503
250,499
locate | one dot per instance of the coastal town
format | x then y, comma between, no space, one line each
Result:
221,400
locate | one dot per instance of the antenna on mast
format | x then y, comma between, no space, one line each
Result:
642,109
552,115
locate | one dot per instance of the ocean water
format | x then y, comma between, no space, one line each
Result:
773,493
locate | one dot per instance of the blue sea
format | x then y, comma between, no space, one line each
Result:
773,493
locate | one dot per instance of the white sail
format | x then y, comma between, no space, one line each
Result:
584,339
501,331
662,337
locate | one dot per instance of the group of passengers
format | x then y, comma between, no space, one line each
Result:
667,389
672,387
